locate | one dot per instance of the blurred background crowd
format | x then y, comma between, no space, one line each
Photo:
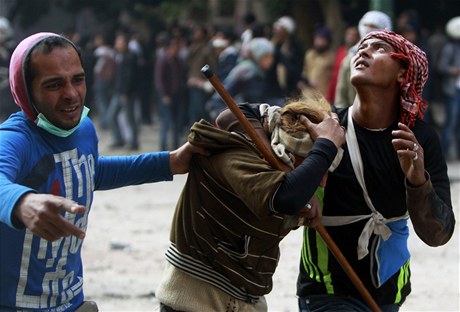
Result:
143,58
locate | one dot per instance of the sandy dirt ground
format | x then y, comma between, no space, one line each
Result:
129,229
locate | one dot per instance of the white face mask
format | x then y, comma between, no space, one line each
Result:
45,124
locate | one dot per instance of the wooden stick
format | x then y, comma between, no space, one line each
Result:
275,163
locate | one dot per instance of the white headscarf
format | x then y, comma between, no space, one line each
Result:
260,47
285,145
287,23
380,20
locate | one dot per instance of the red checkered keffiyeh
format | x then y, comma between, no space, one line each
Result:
414,59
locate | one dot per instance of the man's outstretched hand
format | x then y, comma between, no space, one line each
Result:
41,214
179,159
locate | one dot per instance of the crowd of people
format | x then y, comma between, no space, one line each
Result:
360,170
182,98
134,81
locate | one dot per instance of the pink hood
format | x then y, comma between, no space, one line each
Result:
17,79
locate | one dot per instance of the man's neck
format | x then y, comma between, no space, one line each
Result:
375,110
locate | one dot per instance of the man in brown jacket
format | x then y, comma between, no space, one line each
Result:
235,209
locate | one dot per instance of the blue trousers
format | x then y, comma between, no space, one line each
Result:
117,103
172,121
451,129
196,111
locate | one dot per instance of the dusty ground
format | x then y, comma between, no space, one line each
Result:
128,235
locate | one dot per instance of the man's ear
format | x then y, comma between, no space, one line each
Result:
401,75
